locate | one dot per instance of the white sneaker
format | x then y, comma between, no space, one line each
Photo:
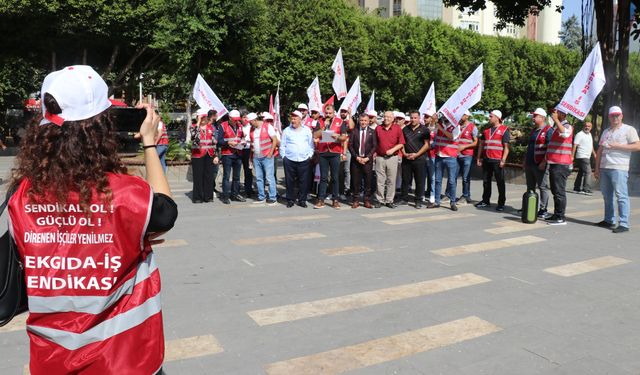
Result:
432,199
260,202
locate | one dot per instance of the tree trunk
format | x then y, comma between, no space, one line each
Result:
129,64
606,36
188,125
624,28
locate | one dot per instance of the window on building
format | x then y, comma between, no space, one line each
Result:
470,25
397,8
361,3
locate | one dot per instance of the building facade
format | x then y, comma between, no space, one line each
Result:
543,28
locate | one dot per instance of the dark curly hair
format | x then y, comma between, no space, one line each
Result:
74,157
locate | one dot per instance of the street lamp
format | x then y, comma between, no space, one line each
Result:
141,77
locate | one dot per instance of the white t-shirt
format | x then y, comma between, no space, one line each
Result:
584,143
616,159
245,130
256,135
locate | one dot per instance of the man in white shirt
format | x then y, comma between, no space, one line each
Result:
296,149
582,151
617,143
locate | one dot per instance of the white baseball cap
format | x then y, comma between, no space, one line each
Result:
267,116
540,111
497,113
80,92
615,110
252,116
234,115
296,113
429,113
201,112
303,106
398,114
372,113
407,118
467,113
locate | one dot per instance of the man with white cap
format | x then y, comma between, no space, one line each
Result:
430,119
345,158
264,142
616,144
231,141
492,156
304,110
296,149
466,147
446,147
330,153
560,161
535,168
373,119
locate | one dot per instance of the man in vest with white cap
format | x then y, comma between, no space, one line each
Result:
492,155
264,141
616,144
446,147
466,147
231,140
535,167
559,157
330,153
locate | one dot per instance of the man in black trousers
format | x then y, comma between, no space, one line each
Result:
362,144
414,165
296,149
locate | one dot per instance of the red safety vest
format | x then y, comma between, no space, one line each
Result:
444,145
265,140
559,149
466,137
432,148
164,136
207,143
308,122
230,135
493,147
540,146
93,286
334,147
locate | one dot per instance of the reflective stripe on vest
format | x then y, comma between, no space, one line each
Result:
265,143
493,147
559,150
164,137
102,331
467,137
92,304
230,135
445,145
540,146
206,145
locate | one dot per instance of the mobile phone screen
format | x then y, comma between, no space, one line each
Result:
128,119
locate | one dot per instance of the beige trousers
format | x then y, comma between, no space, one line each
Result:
386,172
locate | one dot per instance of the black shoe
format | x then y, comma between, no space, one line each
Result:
543,214
482,204
418,205
432,205
377,205
454,207
556,220
271,201
289,204
197,201
620,229
500,208
238,198
302,204
226,201
391,205
605,224
402,202
208,200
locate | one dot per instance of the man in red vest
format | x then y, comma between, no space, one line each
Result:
492,155
446,147
162,143
535,167
560,161
466,146
263,142
231,143
330,152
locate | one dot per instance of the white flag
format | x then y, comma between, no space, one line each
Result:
585,86
353,98
465,97
339,78
371,106
429,103
206,98
313,92
276,110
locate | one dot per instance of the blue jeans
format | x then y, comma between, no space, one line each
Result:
464,163
264,168
430,177
162,153
613,184
451,164
231,163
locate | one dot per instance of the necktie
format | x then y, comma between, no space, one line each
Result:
362,136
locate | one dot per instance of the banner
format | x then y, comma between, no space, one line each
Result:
371,106
328,102
585,87
465,97
353,98
313,92
429,103
206,98
339,78
274,110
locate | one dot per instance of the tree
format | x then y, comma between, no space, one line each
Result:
571,34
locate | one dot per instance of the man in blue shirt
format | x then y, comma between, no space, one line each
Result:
296,149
